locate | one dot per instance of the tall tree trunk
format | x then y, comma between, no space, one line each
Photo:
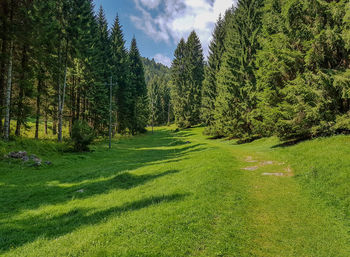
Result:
8,94
2,80
84,106
4,46
46,110
20,106
61,105
169,105
77,108
72,105
38,104
19,112
54,124
46,123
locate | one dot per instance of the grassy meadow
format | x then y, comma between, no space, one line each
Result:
177,194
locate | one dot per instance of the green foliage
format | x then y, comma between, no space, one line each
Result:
65,55
284,70
153,69
121,75
187,79
236,78
139,98
179,99
216,52
82,135
158,78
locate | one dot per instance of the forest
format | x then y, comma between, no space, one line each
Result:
275,68
58,63
239,148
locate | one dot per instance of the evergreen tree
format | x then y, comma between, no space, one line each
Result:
154,101
194,65
158,79
236,98
123,94
179,81
55,61
139,90
216,51
187,79
99,96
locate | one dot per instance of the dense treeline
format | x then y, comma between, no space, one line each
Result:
152,69
187,80
276,68
158,78
56,63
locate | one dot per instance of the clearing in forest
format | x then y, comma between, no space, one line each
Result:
178,194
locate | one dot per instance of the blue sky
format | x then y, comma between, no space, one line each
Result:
158,25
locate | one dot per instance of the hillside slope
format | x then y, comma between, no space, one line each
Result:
179,194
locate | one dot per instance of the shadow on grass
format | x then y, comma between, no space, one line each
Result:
122,181
24,231
290,142
29,188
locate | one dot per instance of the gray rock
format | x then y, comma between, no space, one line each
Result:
81,191
277,174
33,157
17,155
25,158
37,160
251,168
36,164
48,163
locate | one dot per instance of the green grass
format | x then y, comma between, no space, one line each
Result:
158,195
28,131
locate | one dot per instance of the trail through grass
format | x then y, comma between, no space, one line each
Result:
170,194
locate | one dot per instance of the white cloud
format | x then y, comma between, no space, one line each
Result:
151,4
162,59
177,18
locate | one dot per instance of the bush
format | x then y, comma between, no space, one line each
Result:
82,135
342,124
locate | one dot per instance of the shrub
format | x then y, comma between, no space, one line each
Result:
82,135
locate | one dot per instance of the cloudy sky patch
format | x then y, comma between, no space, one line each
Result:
175,19
158,25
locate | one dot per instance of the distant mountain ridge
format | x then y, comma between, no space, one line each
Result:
152,69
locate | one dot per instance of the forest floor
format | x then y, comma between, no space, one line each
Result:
178,194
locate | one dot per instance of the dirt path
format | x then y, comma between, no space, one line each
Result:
286,221
283,220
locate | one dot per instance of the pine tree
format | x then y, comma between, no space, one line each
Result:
154,101
99,99
216,51
123,93
194,65
187,79
236,80
139,90
179,81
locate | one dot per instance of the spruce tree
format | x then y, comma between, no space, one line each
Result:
139,90
180,92
187,78
154,101
236,80
99,97
216,51
194,67
120,62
